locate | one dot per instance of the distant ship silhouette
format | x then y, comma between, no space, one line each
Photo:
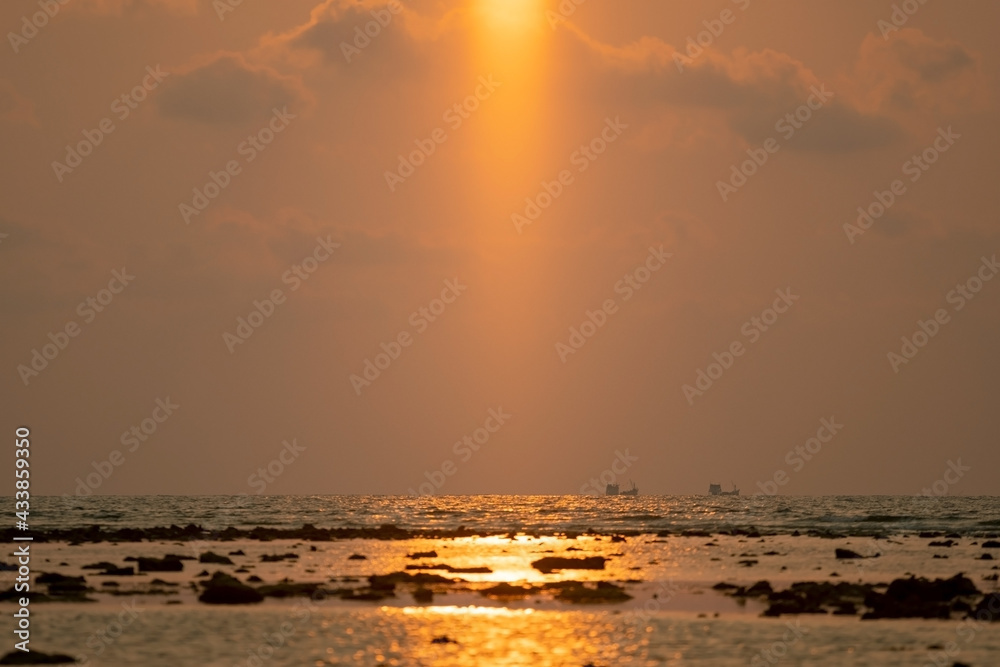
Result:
613,490
716,490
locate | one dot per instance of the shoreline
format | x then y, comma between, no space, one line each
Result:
309,532
732,573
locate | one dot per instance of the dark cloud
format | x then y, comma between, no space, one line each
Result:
226,91
934,62
359,38
754,91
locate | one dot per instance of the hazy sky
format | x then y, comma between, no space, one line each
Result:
506,170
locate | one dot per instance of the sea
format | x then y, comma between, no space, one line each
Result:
668,553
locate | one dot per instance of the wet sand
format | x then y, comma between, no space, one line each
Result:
647,589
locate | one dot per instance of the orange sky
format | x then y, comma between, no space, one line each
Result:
551,160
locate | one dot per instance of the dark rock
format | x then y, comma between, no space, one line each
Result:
576,592
389,581
945,543
287,589
275,558
35,658
161,582
168,563
226,589
991,544
503,590
550,563
988,609
846,609
848,554
919,598
985,557
761,588
118,572
423,595
723,586
63,588
449,568
215,559
238,552
56,579
103,565
255,579
357,557
443,639
365,596
422,554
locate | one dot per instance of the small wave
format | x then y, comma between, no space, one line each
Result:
641,517
886,518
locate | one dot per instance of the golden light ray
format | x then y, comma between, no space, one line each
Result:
511,41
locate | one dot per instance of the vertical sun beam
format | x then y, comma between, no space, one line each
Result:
512,39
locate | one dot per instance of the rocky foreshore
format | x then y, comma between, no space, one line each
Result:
309,532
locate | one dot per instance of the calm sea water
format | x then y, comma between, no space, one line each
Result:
856,515
673,618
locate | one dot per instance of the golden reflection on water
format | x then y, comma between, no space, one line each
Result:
507,637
